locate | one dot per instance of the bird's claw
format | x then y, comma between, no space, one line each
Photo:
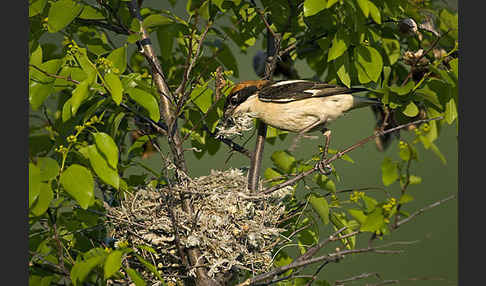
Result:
324,169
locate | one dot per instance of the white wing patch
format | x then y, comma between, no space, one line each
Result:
288,82
313,91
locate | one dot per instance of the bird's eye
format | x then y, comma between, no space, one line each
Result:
234,100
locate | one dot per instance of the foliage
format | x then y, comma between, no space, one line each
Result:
90,86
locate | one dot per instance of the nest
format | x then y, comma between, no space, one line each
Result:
233,228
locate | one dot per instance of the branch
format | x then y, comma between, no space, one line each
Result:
309,253
117,29
175,143
357,277
314,277
422,210
273,46
159,126
187,71
347,150
333,257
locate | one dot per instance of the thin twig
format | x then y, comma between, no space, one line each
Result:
117,29
187,71
357,277
173,134
273,47
314,277
341,153
333,257
422,210
263,18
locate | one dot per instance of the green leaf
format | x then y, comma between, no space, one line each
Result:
91,13
339,45
38,93
374,221
358,215
147,248
165,36
100,165
136,278
49,168
331,2
451,111
61,14
342,67
320,205
370,203
80,94
115,87
149,266
43,200
325,183
66,111
86,65
137,146
312,7
155,20
119,59
219,4
414,180
411,110
284,161
201,95
282,259
402,90
363,5
427,94
437,152
225,55
79,183
389,171
454,64
339,221
443,74
34,183
405,153
368,63
305,238
280,11
147,101
116,123
392,49
81,269
107,147
36,7
132,38
271,173
36,56
405,198
374,12
113,263
41,85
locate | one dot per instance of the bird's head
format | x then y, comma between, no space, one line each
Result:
239,94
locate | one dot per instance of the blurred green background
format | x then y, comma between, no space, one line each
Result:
435,255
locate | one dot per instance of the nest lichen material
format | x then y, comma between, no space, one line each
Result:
236,125
231,226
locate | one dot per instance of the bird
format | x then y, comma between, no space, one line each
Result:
298,106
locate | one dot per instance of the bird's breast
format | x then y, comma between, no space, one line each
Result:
296,115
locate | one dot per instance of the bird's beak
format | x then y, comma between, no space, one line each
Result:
227,115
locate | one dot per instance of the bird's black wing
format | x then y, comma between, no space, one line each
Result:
292,90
